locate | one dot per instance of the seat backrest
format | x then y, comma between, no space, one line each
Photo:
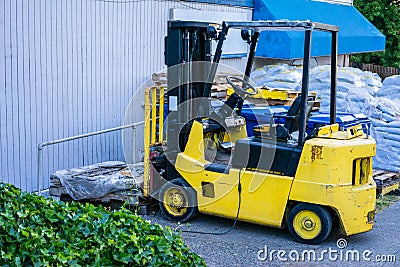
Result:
294,110
295,107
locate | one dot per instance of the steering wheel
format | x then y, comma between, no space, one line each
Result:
242,91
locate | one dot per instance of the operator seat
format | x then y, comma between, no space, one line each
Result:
270,150
291,124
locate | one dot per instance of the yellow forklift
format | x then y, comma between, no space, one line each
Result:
280,176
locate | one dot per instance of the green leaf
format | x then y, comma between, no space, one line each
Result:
43,232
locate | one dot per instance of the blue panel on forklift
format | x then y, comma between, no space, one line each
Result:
356,33
345,120
262,115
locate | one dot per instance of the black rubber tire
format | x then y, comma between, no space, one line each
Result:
189,194
324,216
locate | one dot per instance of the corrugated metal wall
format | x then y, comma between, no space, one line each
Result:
247,3
69,67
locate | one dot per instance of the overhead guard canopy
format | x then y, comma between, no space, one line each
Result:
280,25
356,35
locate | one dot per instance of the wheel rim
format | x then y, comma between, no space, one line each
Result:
175,201
307,224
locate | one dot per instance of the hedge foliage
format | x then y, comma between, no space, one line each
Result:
38,231
385,15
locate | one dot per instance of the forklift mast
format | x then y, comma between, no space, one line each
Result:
188,58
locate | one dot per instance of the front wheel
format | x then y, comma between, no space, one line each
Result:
310,224
178,200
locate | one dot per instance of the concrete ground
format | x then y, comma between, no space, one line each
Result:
252,245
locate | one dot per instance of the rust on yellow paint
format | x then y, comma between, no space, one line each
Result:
316,153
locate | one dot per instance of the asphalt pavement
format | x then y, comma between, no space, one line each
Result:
254,245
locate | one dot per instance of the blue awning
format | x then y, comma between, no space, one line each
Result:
356,33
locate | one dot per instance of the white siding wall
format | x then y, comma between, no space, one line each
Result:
69,67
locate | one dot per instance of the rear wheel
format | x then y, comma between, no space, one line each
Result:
178,200
310,224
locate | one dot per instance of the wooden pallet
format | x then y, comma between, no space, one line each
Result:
159,79
386,181
222,90
259,102
220,78
88,175
141,207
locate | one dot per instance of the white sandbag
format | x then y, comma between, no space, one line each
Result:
354,107
324,108
320,69
392,91
323,93
355,98
324,77
327,95
318,86
344,87
392,80
393,143
263,80
291,77
378,123
389,130
359,96
386,110
387,156
372,90
384,166
324,104
377,115
388,105
388,117
276,68
392,137
280,68
282,85
371,79
394,124
260,72
278,76
350,78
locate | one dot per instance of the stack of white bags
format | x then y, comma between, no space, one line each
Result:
357,92
280,76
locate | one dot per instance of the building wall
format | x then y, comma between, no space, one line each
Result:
69,67
245,3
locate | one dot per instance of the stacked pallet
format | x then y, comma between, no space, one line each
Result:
219,87
159,79
267,96
277,97
386,181
108,183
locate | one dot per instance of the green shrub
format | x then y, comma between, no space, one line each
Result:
37,231
384,15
